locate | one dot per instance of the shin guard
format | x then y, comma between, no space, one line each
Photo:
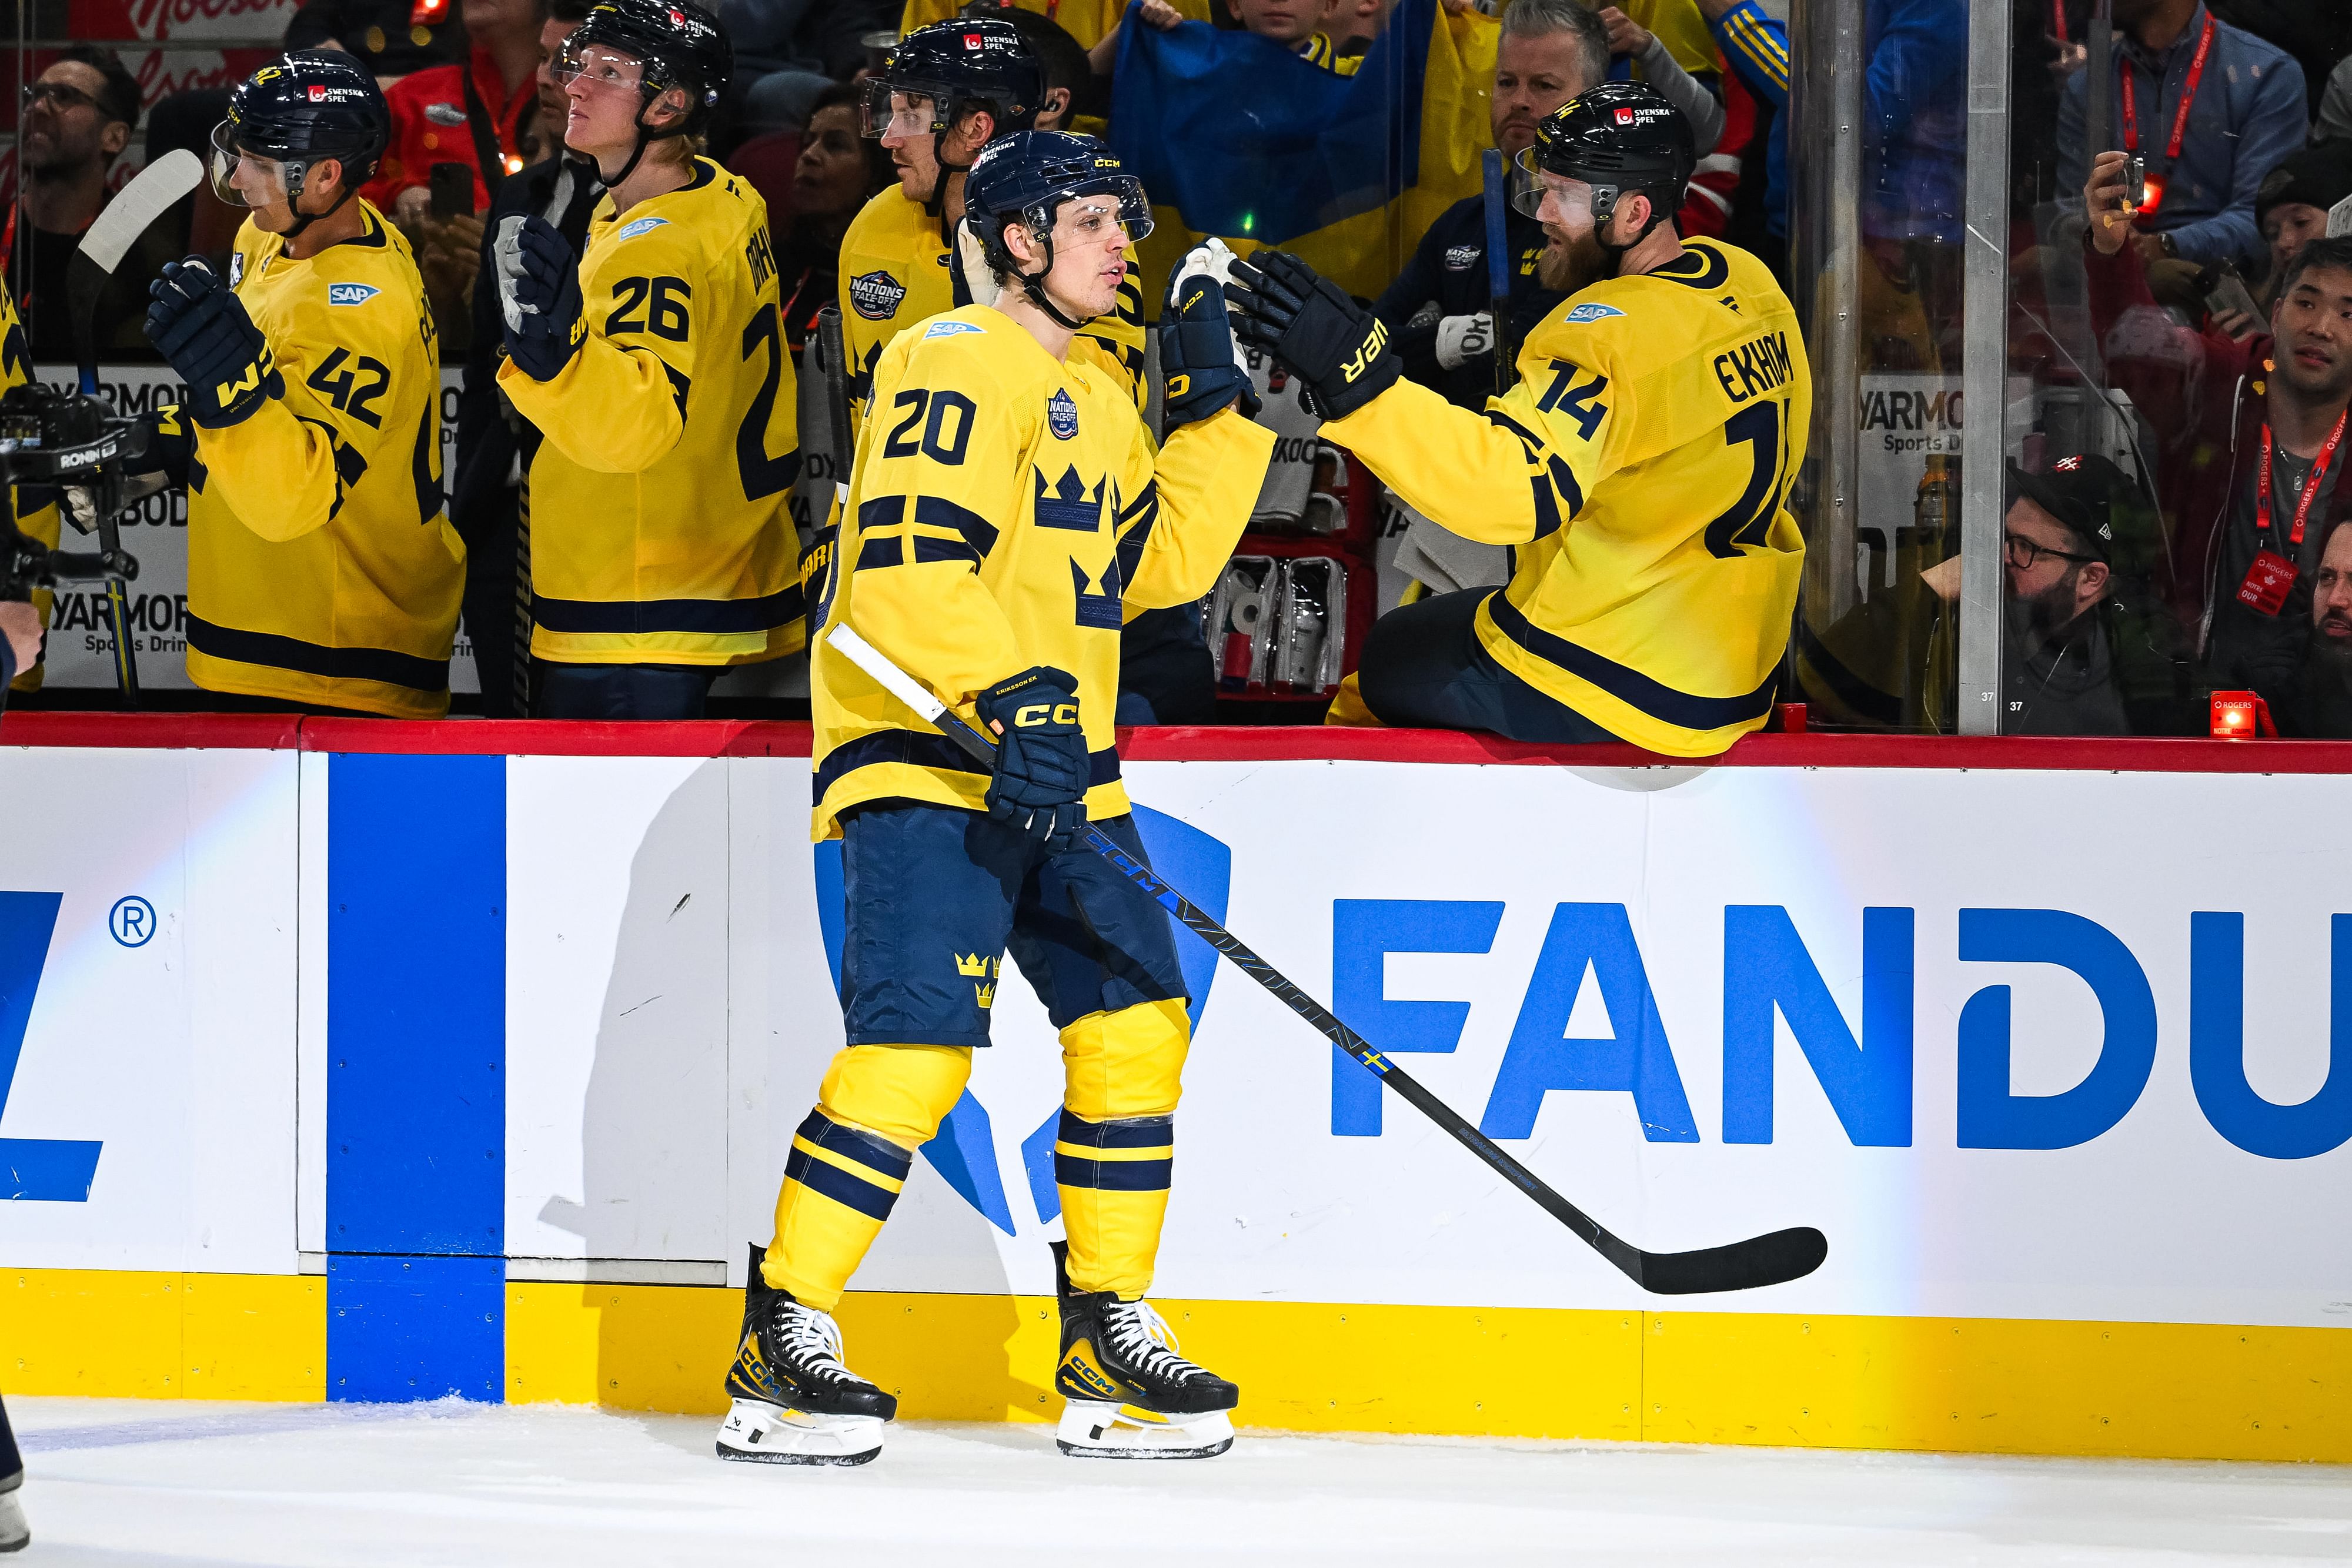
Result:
1115,1149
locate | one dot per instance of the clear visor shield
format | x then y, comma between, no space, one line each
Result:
900,108
1089,219
244,179
1549,198
599,67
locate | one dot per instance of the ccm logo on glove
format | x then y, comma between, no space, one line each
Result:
1035,713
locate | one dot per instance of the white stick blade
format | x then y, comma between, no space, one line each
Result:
138,204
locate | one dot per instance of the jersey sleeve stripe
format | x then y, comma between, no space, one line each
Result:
889,551
720,616
271,650
934,751
1684,710
930,547
938,512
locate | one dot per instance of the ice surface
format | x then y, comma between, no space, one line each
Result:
127,1481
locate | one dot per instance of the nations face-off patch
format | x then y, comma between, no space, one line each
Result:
1462,258
1061,415
875,295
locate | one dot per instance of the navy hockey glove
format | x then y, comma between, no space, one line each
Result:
201,331
1339,349
1040,755
538,296
1197,357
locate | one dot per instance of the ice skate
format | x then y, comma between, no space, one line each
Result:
1130,1396
795,1403
15,1535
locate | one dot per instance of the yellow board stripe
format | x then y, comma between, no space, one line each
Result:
131,1334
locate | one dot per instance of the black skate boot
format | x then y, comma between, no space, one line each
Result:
1130,1396
795,1403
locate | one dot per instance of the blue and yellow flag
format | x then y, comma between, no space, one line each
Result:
1233,135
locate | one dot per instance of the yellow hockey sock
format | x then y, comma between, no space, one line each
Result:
1114,1148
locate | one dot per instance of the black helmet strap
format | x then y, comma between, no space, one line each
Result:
302,220
1039,220
646,134
1604,210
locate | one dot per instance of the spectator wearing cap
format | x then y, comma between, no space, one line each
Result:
2292,206
2059,664
2263,422
2324,708
78,116
2209,109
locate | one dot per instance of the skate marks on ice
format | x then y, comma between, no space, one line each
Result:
192,1484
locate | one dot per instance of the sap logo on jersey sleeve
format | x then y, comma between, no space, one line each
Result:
351,293
877,295
1061,415
1583,314
948,329
642,226
1462,257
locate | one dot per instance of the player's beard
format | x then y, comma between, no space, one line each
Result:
1567,268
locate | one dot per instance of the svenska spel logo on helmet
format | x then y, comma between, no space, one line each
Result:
974,41
676,18
317,93
1624,116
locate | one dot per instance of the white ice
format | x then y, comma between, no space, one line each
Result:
125,1482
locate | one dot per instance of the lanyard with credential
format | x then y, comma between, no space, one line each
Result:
2310,486
2156,181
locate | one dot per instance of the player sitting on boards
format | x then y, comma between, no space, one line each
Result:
1006,513
662,548
1639,468
322,573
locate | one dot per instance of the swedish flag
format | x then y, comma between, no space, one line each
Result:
1236,136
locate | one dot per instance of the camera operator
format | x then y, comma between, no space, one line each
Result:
322,572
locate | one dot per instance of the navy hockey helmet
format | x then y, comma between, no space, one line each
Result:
679,45
947,69
1619,137
1024,178
296,111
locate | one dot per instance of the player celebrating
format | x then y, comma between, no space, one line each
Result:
1006,514
661,543
1638,468
945,92
322,572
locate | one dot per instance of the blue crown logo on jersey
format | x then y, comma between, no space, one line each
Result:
351,293
965,1150
1069,504
1100,610
948,329
1586,313
875,295
642,226
1061,415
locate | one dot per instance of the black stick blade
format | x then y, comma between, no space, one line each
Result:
1773,1259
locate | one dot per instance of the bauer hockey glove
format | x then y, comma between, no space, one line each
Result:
1042,773
1202,368
1339,349
201,331
538,296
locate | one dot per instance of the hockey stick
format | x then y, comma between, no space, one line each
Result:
1771,1259
108,240
1498,264
836,395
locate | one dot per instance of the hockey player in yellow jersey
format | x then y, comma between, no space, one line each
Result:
945,91
1006,513
42,522
322,572
1640,468
662,548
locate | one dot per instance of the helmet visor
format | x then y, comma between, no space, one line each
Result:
1087,217
901,108
1548,197
244,179
599,67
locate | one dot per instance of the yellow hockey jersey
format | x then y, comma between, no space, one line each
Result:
1006,509
320,566
1085,20
660,499
896,269
15,369
1641,468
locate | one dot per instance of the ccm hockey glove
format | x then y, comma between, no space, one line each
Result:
1201,369
538,296
201,331
1339,349
1040,786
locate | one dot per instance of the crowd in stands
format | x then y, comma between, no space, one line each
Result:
2175,264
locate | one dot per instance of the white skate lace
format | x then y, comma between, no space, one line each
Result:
813,1341
1140,1334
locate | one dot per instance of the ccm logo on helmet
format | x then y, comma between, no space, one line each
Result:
1035,713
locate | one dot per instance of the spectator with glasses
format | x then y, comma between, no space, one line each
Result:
76,118
2059,665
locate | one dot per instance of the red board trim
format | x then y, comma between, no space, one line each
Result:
1239,743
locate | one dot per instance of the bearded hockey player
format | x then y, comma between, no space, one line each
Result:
1007,513
662,548
945,92
1639,469
322,572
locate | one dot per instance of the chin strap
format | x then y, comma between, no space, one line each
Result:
1604,209
647,137
935,202
1033,286
303,220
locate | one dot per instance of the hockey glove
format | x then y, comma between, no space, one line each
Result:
1040,777
538,296
201,331
1201,366
1339,349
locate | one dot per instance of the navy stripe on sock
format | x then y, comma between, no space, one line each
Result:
1128,1133
1112,1176
871,1150
832,1181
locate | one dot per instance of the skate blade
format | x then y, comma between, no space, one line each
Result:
1093,1429
765,1434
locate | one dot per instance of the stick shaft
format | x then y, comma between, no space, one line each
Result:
830,349
1498,262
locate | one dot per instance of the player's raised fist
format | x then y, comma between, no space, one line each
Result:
538,296
1338,348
